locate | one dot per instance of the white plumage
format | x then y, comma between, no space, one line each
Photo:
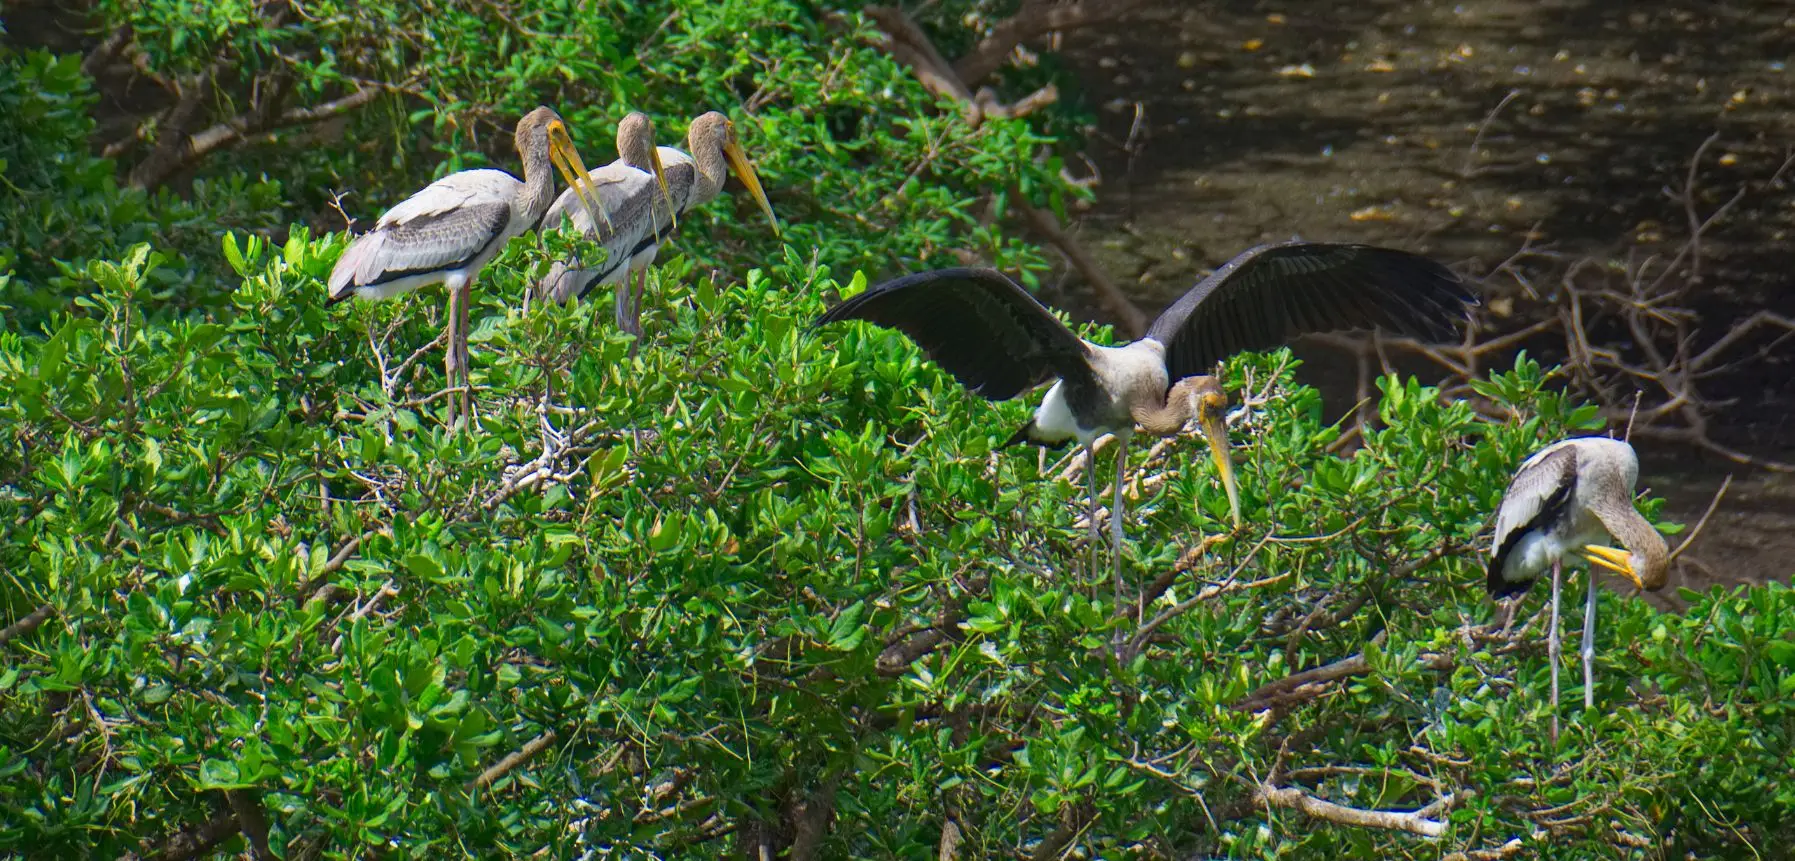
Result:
443,234
1567,500
692,179
450,230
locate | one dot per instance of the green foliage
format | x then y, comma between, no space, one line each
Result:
755,568
64,207
769,563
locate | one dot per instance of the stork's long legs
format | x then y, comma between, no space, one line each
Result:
621,313
452,366
462,356
1115,515
635,307
1588,649
1090,475
1552,643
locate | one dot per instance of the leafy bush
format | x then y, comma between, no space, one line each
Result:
769,571
756,587
63,207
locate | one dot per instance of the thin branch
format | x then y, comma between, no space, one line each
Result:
1034,19
176,157
1506,850
1131,319
31,622
511,761
1302,802
1690,538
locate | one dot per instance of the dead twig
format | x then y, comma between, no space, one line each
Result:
511,761
1703,522
31,622
1414,822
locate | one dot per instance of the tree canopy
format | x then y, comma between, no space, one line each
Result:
763,588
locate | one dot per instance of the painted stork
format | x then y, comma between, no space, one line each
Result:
999,341
1570,499
450,230
639,217
692,180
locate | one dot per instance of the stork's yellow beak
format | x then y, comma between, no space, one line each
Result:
1212,419
738,163
566,159
660,178
1614,559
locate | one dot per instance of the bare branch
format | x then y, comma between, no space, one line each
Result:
31,622
1034,19
1712,504
512,760
1506,850
1131,319
1295,799
177,156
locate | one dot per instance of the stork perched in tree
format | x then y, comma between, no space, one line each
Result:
691,180
447,232
999,341
1569,499
635,193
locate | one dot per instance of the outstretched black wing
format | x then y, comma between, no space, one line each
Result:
1271,294
979,326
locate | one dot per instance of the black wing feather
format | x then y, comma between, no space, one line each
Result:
1271,294
979,326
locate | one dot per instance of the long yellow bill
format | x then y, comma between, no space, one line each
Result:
660,177
567,160
1214,424
1614,559
738,162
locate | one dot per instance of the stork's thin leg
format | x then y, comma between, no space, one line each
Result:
1589,645
635,307
1090,475
1552,643
461,332
1115,515
451,357
621,312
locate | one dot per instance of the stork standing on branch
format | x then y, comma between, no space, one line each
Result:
640,228
638,217
999,341
1570,499
447,232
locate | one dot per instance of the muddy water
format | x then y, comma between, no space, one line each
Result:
1459,130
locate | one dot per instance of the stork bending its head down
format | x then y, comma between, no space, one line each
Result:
1568,500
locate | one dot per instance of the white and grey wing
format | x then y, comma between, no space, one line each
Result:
1537,498
1547,473
452,192
436,242
639,218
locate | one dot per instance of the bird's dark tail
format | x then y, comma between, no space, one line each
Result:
1500,586
342,298
1026,434
1021,435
